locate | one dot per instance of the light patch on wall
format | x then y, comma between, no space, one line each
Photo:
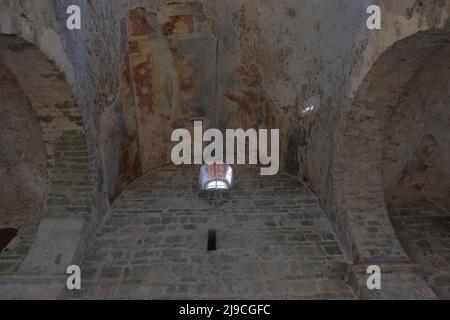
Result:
311,105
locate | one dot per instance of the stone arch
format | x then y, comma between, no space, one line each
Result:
64,228
361,213
23,173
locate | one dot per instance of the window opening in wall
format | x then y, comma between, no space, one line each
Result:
216,177
6,235
212,239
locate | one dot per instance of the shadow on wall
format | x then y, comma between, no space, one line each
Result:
6,236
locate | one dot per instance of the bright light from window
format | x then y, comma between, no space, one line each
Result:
216,177
217,185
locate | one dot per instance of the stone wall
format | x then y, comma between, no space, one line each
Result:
360,196
67,221
23,171
272,242
417,145
280,64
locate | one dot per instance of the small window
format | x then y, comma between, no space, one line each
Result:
216,177
217,184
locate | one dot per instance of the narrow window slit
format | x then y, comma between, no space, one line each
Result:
212,238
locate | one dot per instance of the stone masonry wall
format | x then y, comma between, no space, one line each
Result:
273,242
23,171
322,49
64,228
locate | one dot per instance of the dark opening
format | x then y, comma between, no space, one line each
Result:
6,235
212,240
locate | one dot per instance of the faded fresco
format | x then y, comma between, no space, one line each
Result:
247,102
168,58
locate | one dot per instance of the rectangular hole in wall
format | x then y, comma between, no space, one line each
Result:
212,240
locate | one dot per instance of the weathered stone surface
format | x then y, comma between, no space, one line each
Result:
398,282
60,237
23,170
154,243
363,118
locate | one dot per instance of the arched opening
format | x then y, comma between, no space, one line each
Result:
416,168
394,154
44,161
23,172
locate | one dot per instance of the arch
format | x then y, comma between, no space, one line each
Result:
64,229
361,215
23,173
